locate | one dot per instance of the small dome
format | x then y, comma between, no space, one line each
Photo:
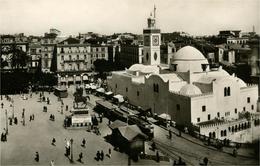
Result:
188,53
242,84
136,67
190,90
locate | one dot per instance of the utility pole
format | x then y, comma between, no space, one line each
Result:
6,121
71,152
13,108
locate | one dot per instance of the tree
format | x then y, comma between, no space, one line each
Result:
19,57
54,60
102,65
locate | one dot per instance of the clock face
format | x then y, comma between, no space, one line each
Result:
155,40
147,40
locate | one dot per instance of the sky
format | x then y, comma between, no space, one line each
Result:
196,17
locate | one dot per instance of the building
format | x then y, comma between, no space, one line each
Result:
190,92
9,43
167,50
233,37
130,54
35,55
48,43
75,58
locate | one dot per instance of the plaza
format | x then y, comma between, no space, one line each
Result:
36,136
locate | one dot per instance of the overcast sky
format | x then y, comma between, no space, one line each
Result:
197,17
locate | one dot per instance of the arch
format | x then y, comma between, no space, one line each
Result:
222,133
245,125
225,91
214,135
210,134
242,126
229,129
155,56
233,129
236,128
239,127
225,132
147,56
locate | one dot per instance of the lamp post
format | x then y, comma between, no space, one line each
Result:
71,152
6,121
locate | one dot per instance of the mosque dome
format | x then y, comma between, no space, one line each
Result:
190,90
189,59
188,53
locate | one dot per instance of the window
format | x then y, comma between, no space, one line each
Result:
70,57
137,93
62,57
155,87
227,91
90,61
77,57
244,108
85,56
178,107
203,108
103,55
252,107
102,49
78,65
62,67
46,56
91,56
126,89
97,49
227,113
147,56
116,85
62,50
208,116
198,119
218,114
235,111
248,100
97,55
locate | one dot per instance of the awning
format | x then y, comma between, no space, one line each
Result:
85,77
101,90
165,116
120,98
93,87
78,78
87,86
109,93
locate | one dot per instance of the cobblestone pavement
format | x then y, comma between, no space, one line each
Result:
24,141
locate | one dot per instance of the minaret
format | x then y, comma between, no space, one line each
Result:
152,41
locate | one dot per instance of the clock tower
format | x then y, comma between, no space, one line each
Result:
152,42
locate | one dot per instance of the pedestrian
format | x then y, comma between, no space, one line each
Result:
157,156
97,156
2,137
2,105
205,161
101,155
23,113
53,141
32,116
67,107
84,143
174,163
80,157
37,158
11,121
109,152
235,152
52,163
15,120
170,134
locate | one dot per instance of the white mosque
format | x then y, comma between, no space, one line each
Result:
189,91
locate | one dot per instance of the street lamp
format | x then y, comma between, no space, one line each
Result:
71,152
6,121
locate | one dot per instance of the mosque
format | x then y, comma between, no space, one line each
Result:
188,90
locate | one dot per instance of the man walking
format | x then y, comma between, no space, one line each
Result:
37,158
